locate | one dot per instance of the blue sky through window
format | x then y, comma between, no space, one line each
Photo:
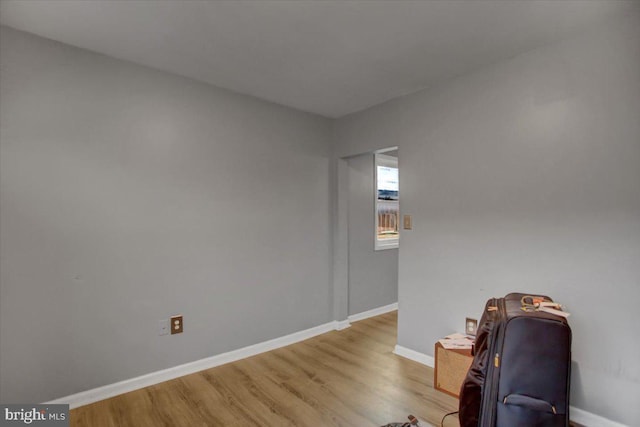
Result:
387,183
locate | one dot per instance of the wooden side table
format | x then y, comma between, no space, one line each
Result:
451,369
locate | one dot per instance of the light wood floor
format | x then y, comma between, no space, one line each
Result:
342,378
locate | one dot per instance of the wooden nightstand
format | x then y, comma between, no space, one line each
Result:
451,369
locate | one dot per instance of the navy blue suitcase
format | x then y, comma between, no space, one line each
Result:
521,369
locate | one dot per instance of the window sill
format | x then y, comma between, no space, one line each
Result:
382,246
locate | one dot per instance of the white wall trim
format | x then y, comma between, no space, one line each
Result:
110,390
342,324
373,312
577,415
588,419
416,356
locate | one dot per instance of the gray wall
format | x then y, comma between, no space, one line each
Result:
129,195
525,176
373,275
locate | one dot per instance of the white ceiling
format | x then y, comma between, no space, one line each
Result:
327,57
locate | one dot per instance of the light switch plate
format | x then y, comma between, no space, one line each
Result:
407,222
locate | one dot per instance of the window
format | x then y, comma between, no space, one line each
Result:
387,202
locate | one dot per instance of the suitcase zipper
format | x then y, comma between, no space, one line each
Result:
489,395
495,371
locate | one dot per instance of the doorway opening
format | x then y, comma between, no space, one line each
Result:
373,232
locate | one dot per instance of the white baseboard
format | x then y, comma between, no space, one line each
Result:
416,356
374,312
577,415
342,324
110,390
588,419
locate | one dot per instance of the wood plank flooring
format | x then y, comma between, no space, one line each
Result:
342,378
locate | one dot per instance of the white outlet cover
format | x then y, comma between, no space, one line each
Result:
164,327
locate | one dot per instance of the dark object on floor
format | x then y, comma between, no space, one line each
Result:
413,422
521,368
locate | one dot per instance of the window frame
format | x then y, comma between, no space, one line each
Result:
381,159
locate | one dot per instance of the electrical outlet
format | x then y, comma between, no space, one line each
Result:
163,327
176,324
471,326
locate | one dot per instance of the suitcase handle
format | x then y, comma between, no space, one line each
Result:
529,402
